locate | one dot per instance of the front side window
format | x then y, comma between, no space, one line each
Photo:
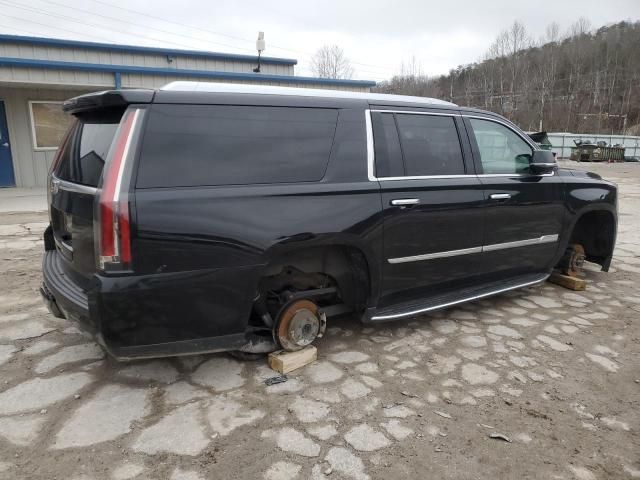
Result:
430,145
501,149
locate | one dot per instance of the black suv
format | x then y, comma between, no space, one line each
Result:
204,217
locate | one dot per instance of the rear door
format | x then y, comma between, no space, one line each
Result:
431,202
73,186
523,211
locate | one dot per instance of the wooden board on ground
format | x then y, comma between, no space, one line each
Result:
572,283
285,362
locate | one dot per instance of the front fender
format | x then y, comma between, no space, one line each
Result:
586,194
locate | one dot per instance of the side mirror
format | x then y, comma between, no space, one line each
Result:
542,162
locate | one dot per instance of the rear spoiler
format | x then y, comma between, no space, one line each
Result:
107,99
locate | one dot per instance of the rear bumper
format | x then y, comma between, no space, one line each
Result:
136,317
63,297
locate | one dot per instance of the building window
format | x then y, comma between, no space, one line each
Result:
48,124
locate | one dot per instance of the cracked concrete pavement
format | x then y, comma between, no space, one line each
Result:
554,371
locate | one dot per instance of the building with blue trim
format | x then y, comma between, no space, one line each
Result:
37,74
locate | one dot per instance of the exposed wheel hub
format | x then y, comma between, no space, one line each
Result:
299,323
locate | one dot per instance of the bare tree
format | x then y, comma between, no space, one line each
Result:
585,80
411,68
331,62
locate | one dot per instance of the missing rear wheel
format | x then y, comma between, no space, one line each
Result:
299,323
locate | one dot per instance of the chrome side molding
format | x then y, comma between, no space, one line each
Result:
484,248
521,243
431,256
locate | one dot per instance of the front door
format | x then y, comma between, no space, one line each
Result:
6,162
523,212
432,204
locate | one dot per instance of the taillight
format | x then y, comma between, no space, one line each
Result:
114,239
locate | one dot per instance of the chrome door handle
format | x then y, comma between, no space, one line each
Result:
500,196
5,144
405,201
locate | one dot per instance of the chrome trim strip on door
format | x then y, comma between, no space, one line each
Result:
484,248
73,187
431,256
521,243
462,300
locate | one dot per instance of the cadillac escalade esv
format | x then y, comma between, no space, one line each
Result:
206,217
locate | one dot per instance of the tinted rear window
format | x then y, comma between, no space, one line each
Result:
387,146
193,145
430,145
83,159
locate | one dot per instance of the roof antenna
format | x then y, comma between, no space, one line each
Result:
260,46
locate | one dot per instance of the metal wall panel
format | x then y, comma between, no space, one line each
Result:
84,55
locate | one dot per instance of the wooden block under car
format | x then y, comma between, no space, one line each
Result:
572,283
285,362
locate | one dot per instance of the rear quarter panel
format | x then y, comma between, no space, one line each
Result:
199,252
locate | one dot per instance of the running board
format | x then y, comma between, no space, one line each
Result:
416,307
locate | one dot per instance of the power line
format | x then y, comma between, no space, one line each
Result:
121,20
300,52
376,74
85,23
4,15
31,32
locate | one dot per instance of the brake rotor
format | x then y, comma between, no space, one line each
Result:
299,323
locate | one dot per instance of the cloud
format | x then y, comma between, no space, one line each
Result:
376,35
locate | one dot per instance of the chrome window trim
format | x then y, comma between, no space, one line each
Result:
386,179
371,149
417,112
484,248
461,300
72,187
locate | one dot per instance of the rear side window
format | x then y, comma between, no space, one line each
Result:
83,159
430,145
387,146
197,145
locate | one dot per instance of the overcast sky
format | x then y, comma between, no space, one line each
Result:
377,36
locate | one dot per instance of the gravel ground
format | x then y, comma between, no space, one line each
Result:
554,374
